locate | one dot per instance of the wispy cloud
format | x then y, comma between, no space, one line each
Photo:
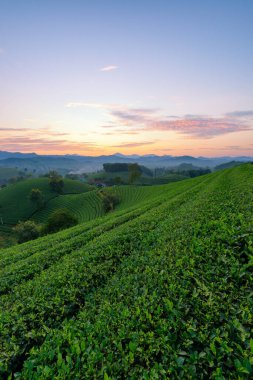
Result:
126,132
194,126
237,147
7,129
117,132
166,149
240,113
43,140
2,51
109,68
152,119
44,131
41,145
133,144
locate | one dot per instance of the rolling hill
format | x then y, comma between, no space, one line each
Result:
88,206
161,288
15,204
85,206
81,199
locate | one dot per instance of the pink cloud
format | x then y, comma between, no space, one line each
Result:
133,144
42,140
193,126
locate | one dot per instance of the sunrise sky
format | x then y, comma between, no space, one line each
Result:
97,77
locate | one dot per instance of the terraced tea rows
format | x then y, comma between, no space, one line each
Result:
16,205
133,195
85,206
89,205
154,291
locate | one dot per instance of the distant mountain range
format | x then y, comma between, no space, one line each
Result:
77,163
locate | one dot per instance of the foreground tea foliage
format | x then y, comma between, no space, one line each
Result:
159,289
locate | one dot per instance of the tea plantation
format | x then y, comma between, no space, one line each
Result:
15,204
88,206
85,207
160,288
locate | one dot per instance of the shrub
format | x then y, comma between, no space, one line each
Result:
56,182
26,231
36,196
109,200
59,220
134,173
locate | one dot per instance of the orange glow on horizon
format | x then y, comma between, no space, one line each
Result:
46,141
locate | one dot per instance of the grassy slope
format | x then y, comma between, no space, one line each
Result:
14,199
157,289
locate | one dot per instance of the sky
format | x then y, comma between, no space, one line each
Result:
96,77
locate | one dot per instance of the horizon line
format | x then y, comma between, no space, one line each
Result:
124,155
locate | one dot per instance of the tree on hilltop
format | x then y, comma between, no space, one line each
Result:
36,196
134,173
56,182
